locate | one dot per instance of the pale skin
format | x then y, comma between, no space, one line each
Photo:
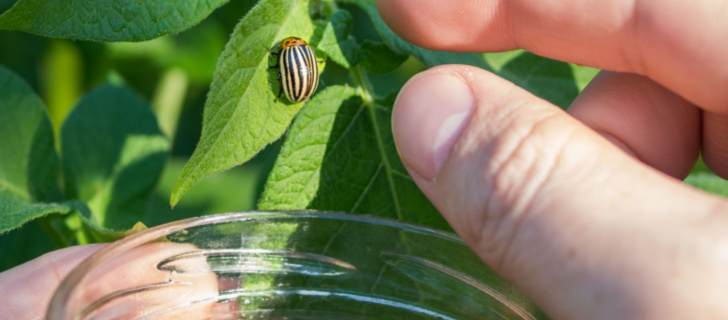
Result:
582,210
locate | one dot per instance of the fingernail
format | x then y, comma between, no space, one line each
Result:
429,115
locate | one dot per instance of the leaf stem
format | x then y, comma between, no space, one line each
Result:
362,82
366,91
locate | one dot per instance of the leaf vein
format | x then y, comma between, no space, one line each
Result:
367,188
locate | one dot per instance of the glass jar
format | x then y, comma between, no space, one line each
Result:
287,265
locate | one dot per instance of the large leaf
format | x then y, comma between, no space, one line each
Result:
555,81
241,115
340,156
106,20
113,154
377,57
28,161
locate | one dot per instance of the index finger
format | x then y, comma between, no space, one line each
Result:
679,44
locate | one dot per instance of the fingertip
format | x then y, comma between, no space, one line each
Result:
440,25
430,112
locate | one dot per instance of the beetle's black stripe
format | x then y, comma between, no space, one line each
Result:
291,74
309,64
305,72
299,72
302,73
296,76
283,62
313,71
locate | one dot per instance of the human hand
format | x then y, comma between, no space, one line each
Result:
581,210
26,290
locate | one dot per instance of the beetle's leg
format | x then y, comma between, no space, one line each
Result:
278,62
280,87
275,54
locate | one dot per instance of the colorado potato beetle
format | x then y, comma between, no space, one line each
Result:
298,74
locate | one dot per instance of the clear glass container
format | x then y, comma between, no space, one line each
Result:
287,265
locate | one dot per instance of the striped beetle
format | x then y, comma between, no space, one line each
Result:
298,74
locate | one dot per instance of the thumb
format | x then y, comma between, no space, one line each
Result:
573,221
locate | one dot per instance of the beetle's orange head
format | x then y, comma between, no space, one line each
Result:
292,41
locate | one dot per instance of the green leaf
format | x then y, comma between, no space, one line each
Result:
97,234
583,75
28,161
106,20
555,81
337,43
113,153
6,4
429,57
195,51
34,244
241,116
236,190
340,156
549,79
708,181
15,211
376,57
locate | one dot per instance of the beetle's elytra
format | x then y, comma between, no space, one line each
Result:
298,74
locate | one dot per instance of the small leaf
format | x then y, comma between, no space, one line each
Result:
28,161
429,57
336,42
708,181
340,156
376,57
106,235
113,153
106,20
241,116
